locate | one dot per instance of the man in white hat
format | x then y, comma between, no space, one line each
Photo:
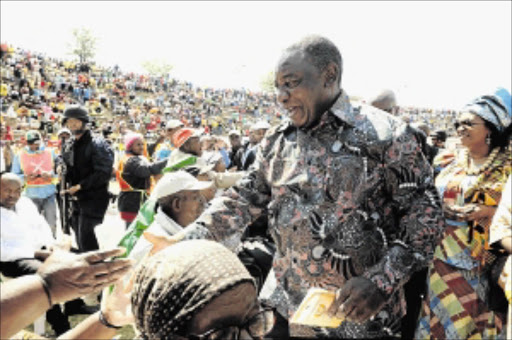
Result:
163,147
180,202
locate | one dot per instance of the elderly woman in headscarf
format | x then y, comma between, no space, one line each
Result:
133,174
197,290
457,305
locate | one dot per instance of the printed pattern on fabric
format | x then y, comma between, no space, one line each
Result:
456,305
353,196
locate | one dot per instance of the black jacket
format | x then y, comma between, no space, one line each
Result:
137,172
89,163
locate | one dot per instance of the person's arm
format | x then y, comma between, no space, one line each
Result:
16,167
421,222
501,226
23,300
411,245
229,214
62,277
115,313
135,166
102,163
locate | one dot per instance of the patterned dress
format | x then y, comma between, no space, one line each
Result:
458,286
353,196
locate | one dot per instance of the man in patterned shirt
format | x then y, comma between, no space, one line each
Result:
349,195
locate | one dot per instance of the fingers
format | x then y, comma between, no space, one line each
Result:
100,255
341,297
106,268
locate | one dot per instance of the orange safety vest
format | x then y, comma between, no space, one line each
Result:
123,185
35,163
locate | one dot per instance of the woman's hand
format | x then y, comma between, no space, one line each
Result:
116,306
469,212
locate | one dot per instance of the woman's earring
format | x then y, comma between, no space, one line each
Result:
488,140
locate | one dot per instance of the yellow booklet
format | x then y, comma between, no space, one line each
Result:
313,310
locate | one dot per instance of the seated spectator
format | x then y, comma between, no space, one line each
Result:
25,232
134,174
197,290
179,203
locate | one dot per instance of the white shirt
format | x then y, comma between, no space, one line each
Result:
23,231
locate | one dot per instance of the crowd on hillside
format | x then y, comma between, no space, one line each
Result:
298,214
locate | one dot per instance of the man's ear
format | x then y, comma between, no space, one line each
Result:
176,204
331,74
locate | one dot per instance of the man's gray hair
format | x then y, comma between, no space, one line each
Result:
320,51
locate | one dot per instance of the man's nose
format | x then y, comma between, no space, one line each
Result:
282,96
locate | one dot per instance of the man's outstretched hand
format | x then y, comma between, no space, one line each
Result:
70,276
357,301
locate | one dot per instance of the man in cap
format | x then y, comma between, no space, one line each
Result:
180,202
35,166
349,196
163,150
89,160
248,152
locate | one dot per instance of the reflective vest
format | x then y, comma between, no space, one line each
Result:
36,163
125,186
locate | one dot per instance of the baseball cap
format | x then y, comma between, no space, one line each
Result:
64,130
234,132
173,124
32,136
174,182
182,135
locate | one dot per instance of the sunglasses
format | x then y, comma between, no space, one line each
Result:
466,123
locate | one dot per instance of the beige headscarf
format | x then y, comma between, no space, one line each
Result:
175,284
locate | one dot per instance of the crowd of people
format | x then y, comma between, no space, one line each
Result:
238,205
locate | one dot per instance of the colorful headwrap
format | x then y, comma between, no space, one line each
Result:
175,284
130,139
492,108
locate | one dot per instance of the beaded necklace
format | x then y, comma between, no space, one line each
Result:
490,159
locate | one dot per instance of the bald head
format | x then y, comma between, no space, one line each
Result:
10,190
385,101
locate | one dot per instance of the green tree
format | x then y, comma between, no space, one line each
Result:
157,67
267,82
84,44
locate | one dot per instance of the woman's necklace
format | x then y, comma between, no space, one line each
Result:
476,170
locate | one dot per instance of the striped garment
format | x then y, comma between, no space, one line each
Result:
458,286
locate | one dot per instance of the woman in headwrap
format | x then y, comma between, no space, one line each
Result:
457,305
197,290
134,177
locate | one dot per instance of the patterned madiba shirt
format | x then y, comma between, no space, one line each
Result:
352,196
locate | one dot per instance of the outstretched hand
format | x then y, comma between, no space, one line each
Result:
357,301
69,275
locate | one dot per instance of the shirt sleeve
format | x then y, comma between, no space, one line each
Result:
16,167
409,181
501,226
228,215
